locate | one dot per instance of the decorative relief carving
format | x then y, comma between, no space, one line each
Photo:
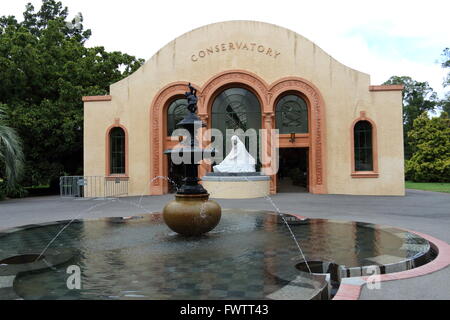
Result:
362,115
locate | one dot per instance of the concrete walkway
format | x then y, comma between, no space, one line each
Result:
427,212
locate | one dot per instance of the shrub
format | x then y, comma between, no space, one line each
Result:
16,191
2,189
430,142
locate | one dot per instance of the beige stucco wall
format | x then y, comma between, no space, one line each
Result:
345,92
237,189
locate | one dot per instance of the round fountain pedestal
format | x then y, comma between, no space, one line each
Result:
192,214
242,185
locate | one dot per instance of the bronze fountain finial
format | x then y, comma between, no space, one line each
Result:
191,97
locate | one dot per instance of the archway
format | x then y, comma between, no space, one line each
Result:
315,140
292,118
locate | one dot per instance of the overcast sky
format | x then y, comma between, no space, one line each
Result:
381,38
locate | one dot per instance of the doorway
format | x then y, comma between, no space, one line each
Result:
293,172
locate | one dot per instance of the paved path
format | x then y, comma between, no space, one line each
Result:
427,212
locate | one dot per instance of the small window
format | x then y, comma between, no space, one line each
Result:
292,115
175,113
363,146
117,150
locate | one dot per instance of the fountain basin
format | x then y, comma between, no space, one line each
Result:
249,255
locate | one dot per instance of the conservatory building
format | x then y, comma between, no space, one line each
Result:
328,129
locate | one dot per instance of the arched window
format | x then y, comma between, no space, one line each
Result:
363,146
292,115
175,113
117,151
236,108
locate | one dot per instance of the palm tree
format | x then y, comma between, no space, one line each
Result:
11,154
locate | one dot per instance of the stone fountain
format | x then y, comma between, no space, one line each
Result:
191,213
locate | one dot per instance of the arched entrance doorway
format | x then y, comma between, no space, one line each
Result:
314,140
292,118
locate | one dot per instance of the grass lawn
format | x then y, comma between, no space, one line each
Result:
428,186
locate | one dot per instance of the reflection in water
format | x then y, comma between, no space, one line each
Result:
250,255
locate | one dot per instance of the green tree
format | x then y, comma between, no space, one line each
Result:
45,69
430,141
446,65
418,97
445,103
11,156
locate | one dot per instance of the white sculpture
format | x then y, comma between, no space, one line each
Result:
238,160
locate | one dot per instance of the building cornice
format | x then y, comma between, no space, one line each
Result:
96,98
393,87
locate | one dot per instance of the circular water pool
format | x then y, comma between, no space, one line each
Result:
250,255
